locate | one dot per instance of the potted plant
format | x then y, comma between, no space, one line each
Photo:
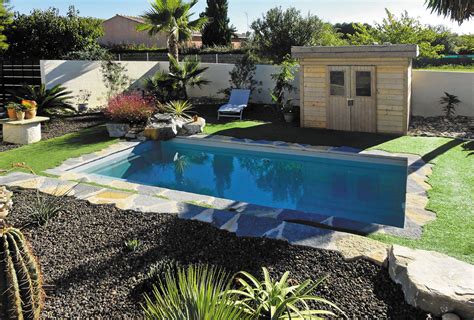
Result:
11,109
20,112
288,112
30,108
82,100
125,110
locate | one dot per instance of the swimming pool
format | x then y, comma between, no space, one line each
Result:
368,189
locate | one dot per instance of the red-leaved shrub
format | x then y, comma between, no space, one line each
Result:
129,108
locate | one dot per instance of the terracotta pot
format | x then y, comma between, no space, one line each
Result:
11,113
30,113
20,115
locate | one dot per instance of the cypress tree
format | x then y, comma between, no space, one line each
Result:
218,32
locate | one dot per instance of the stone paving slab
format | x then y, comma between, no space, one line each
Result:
242,225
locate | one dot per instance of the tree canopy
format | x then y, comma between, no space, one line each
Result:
400,30
218,31
457,10
5,20
48,35
278,30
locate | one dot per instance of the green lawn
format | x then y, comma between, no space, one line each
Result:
452,196
51,153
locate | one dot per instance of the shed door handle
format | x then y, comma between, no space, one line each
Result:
350,102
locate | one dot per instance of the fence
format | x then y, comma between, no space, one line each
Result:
15,73
163,56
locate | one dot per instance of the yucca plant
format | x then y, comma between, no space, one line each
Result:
274,300
449,103
179,108
193,293
21,293
43,207
48,100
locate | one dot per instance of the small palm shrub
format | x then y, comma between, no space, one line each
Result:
193,293
49,101
21,292
132,245
129,108
271,299
179,108
449,103
44,208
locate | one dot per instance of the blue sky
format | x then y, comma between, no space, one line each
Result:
329,10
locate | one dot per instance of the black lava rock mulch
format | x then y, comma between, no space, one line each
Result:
57,127
89,273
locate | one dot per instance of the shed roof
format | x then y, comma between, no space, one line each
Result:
370,51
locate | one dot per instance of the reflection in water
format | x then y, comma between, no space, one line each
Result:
222,166
283,179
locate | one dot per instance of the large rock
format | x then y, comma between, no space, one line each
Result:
193,127
117,130
433,281
161,131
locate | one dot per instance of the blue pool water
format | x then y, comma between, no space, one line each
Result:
364,190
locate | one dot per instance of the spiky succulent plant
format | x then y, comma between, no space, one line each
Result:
21,293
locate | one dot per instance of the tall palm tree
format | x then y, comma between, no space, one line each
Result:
457,10
173,18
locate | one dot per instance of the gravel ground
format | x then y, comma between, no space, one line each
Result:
89,274
60,126
458,127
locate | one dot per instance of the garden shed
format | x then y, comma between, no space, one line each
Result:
356,88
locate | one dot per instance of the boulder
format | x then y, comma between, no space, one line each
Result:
193,127
433,281
161,131
117,130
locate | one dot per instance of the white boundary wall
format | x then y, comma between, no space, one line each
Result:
427,86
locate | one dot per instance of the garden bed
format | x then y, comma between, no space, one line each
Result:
57,127
89,273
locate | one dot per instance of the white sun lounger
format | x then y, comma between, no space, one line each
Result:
239,98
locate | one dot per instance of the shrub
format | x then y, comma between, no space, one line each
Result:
132,245
283,85
179,108
243,73
21,290
271,299
49,101
449,103
129,108
196,292
43,208
114,77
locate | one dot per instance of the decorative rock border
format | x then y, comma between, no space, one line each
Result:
415,215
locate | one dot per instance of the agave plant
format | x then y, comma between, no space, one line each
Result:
194,293
48,100
274,300
179,108
43,208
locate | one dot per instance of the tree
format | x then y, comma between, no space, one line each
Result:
347,28
465,44
403,30
457,10
5,20
217,32
173,18
278,30
46,34
187,74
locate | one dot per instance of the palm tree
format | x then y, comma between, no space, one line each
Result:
457,10
187,73
173,18
49,100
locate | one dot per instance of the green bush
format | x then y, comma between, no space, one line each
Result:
49,101
270,299
193,293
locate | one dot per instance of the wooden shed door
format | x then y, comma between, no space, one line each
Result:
352,108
